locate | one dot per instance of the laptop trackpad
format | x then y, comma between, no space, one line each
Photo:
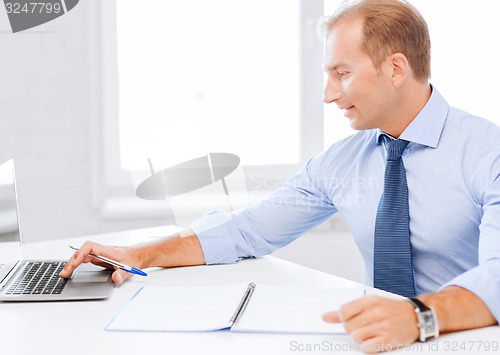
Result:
91,276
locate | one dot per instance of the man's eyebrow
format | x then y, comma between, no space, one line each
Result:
334,67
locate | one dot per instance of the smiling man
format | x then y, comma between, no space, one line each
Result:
418,185
377,57
372,97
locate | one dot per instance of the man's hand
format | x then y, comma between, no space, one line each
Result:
120,254
182,249
384,324
378,323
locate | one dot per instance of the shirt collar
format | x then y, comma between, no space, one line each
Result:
426,128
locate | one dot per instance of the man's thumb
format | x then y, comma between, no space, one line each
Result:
332,317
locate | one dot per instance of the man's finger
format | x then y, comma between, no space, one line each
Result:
71,265
119,275
332,317
363,334
80,256
346,312
352,309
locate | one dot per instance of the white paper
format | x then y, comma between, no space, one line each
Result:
294,309
179,309
270,309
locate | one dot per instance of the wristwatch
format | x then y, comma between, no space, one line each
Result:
427,320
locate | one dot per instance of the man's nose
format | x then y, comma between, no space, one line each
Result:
331,93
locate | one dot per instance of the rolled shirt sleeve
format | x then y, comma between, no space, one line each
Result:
267,225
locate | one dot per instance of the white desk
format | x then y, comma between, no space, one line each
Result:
77,327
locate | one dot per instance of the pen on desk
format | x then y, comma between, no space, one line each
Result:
127,268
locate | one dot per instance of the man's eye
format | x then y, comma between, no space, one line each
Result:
342,74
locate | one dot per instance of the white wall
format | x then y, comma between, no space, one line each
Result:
46,125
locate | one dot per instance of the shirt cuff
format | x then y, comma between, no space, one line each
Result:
484,282
213,231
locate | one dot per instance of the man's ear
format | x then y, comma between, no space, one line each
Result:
400,68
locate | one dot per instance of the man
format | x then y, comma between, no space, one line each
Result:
440,194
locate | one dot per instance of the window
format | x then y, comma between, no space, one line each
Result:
210,76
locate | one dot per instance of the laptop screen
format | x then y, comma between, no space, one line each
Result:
10,240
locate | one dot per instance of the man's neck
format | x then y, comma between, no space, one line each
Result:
411,101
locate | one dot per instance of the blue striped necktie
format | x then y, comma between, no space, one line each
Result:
392,263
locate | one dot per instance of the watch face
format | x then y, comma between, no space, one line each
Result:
427,323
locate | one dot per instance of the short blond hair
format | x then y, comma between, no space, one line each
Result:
389,26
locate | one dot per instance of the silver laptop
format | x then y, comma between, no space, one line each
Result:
38,280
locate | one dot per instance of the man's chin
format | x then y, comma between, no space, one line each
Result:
359,126
356,125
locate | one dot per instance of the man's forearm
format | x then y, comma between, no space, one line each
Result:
182,249
458,309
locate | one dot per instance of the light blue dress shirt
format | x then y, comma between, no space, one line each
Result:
453,170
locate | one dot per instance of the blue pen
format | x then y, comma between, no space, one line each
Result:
127,268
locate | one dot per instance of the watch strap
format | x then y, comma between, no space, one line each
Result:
418,304
427,320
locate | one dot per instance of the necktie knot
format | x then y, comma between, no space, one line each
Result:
395,148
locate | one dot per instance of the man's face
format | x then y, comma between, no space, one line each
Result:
354,84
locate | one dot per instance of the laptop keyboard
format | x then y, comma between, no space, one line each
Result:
39,278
